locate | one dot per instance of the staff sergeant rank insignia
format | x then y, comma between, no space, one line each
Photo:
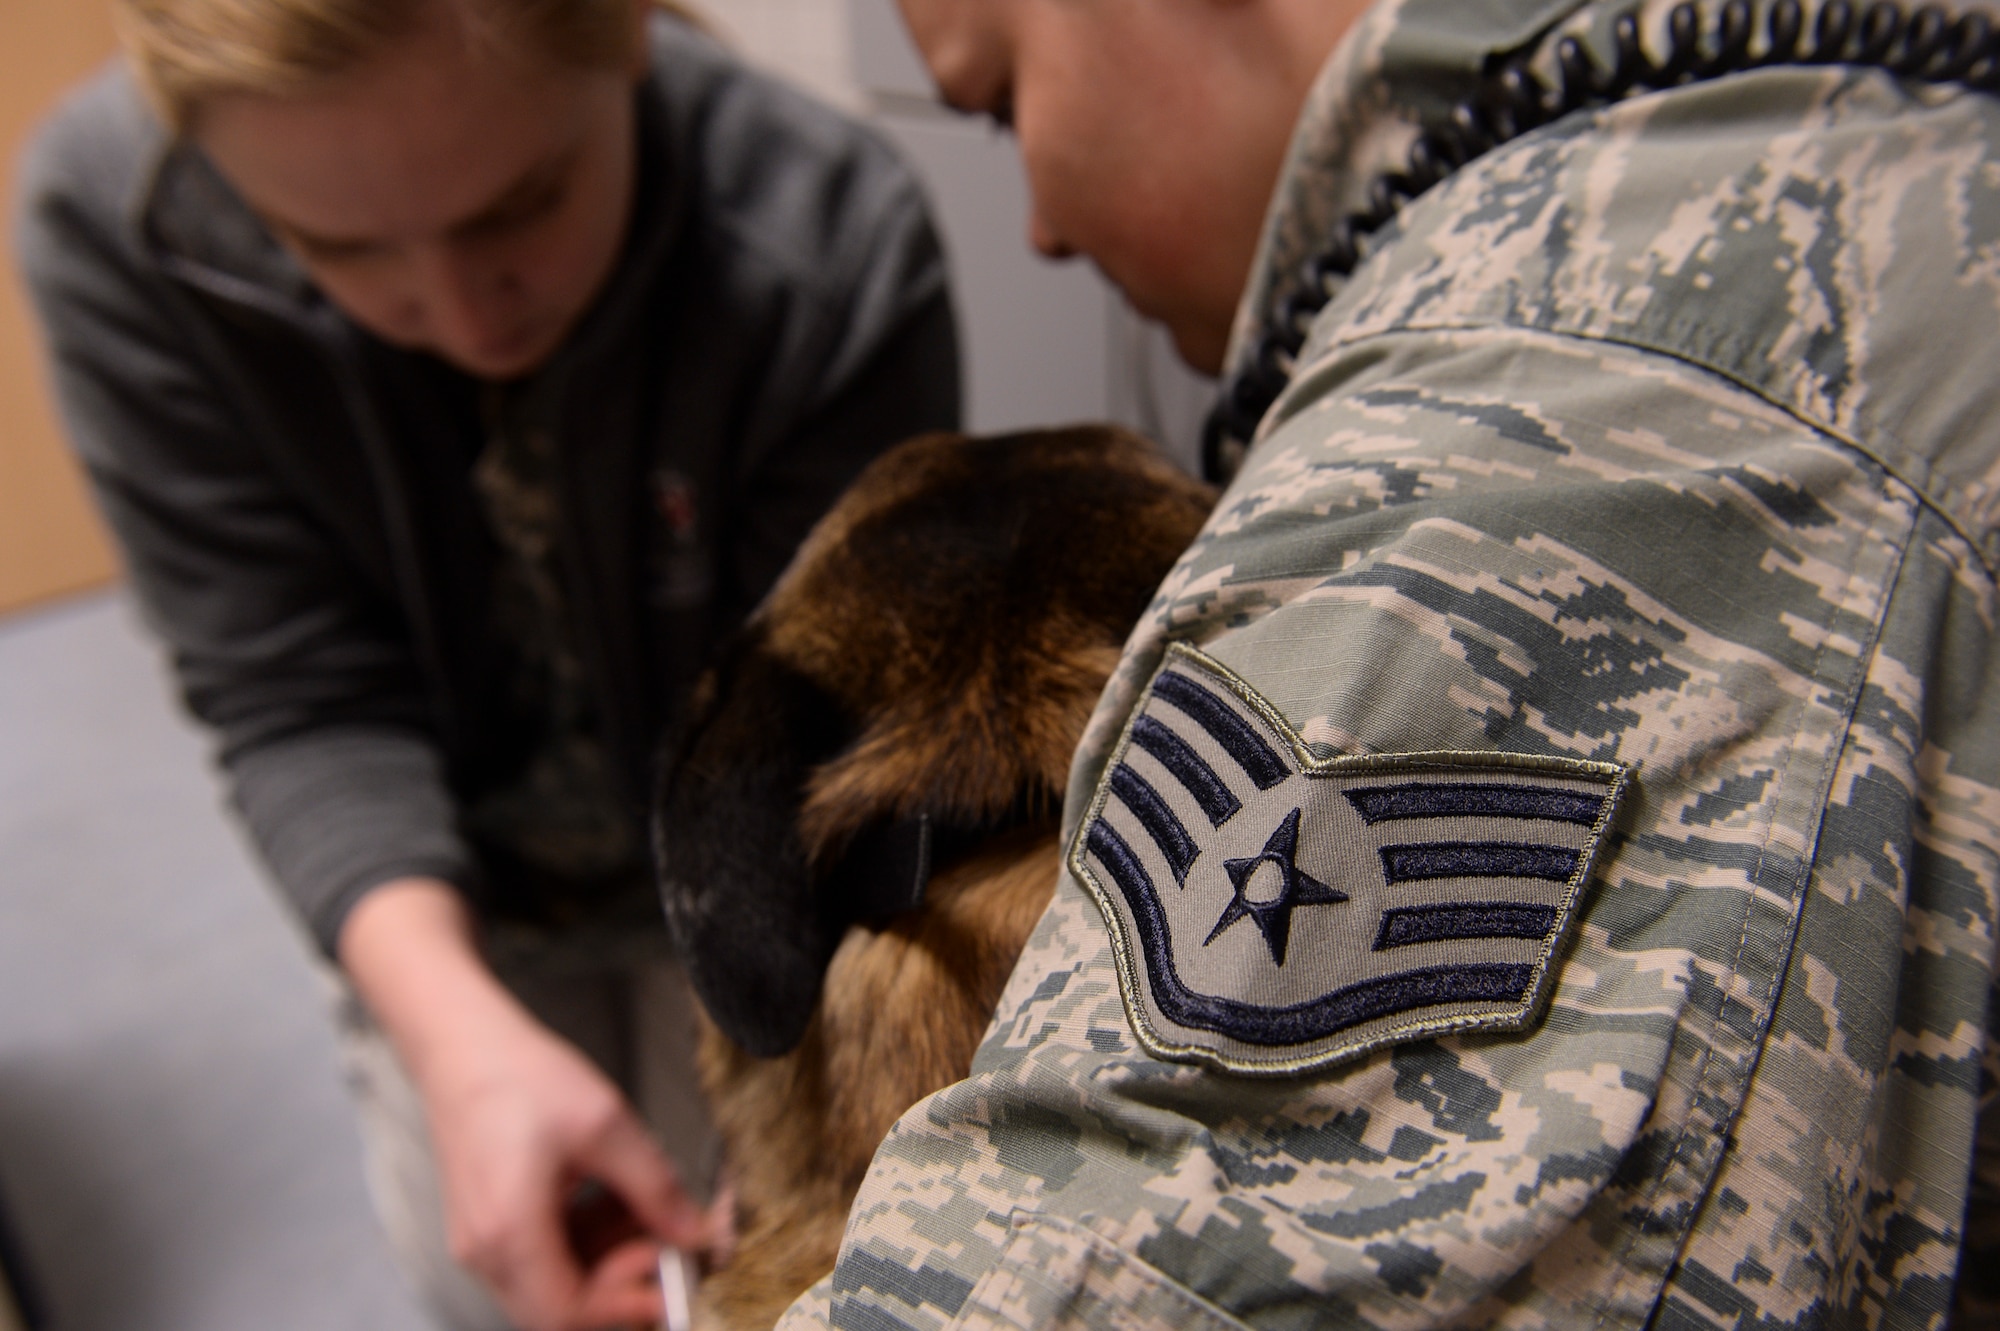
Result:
1274,911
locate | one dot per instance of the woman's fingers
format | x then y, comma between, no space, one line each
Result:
539,1282
516,1128
622,1289
626,1159
720,1244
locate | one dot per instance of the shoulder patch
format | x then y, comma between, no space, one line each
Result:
1275,912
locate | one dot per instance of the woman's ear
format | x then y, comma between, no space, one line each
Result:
735,878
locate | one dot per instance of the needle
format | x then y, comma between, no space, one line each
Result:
677,1282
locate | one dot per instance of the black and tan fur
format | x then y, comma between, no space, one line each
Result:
934,651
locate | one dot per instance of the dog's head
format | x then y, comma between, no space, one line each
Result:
917,678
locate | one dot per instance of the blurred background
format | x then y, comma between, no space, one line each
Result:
175,1149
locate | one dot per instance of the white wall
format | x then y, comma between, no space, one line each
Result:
806,40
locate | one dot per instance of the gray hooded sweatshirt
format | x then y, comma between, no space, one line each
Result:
293,496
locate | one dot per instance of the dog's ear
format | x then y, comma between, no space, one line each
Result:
735,878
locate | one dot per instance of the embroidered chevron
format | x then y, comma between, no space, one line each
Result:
1274,911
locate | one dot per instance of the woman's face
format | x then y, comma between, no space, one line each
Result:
450,198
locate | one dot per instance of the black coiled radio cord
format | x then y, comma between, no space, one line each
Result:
1926,44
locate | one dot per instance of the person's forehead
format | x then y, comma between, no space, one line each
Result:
408,146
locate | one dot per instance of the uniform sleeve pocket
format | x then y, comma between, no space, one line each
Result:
1057,1275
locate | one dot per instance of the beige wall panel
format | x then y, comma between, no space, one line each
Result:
50,540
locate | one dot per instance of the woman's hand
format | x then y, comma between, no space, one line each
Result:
518,1120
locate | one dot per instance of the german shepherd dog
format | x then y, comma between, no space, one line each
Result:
857,830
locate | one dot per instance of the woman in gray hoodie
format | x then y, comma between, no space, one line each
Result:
453,373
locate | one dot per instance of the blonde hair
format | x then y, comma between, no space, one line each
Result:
186,51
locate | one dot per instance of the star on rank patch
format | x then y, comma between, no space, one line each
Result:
1276,912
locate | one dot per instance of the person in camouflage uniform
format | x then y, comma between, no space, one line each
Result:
1634,510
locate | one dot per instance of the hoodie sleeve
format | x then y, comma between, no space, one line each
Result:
279,640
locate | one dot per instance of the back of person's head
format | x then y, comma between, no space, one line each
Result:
188,51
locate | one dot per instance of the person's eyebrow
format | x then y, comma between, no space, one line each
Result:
528,190
544,175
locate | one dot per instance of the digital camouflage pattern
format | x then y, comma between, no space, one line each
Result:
1668,435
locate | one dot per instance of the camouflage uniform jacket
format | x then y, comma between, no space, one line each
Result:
1652,457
